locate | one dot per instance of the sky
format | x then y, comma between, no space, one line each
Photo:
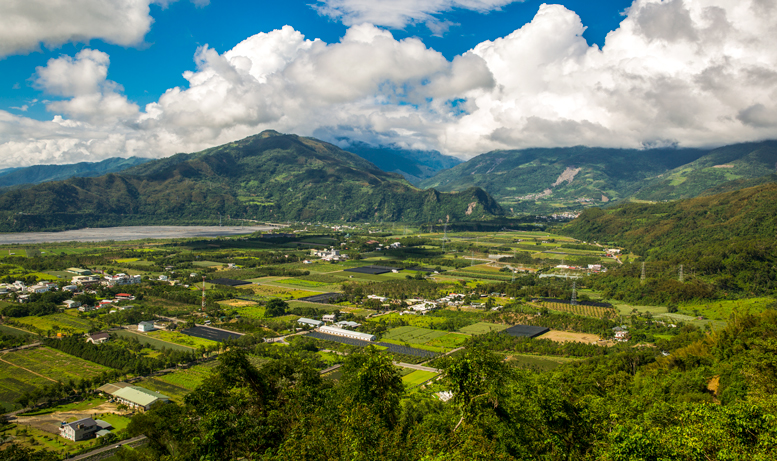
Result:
85,80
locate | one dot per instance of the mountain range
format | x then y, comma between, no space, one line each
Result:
559,178
267,177
413,165
43,173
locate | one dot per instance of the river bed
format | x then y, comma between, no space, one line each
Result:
127,233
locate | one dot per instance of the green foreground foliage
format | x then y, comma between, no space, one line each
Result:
626,405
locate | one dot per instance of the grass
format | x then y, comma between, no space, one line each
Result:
180,338
722,310
449,341
539,362
151,341
6,330
118,422
76,406
207,264
46,362
481,328
189,378
417,377
413,335
176,393
60,321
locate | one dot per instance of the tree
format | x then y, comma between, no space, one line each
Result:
276,307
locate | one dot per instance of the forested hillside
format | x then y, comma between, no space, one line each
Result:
44,173
539,179
413,165
712,397
728,239
265,177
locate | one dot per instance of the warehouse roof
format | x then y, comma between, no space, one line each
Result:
135,395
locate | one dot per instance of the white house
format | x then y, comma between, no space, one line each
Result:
79,430
69,303
98,338
146,326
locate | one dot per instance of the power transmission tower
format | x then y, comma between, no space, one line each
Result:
682,276
203,293
574,293
642,277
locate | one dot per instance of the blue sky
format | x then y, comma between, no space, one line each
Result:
147,70
87,79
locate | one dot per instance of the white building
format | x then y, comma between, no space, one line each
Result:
79,430
347,333
146,326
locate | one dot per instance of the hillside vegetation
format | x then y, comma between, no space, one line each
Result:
44,173
265,177
543,179
413,165
727,238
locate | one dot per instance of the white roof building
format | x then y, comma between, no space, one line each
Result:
347,333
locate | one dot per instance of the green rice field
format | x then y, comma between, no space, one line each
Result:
27,369
151,341
481,328
417,377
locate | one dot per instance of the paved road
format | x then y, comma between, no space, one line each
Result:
417,367
108,451
27,346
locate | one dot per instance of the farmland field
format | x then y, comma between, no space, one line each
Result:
151,341
189,378
580,309
61,321
417,377
481,328
449,341
538,362
50,366
413,335
180,338
568,336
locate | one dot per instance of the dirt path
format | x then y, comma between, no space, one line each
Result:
28,370
51,422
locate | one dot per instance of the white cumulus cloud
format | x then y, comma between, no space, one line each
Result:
83,79
397,14
676,72
25,24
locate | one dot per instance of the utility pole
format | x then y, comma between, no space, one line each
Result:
574,293
682,276
203,293
642,277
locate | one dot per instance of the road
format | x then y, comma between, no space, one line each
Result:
108,451
417,367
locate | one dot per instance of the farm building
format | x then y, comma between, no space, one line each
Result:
347,333
79,430
139,397
330,317
69,303
79,271
347,324
146,326
98,338
310,322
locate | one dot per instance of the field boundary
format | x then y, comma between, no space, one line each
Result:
28,370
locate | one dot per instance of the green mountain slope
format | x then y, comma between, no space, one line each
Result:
728,237
264,177
44,173
533,179
413,165
730,163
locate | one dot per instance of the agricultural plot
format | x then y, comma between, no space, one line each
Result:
482,328
413,335
55,322
582,309
304,283
211,334
180,338
417,377
25,370
413,320
189,378
449,341
175,392
538,362
151,341
206,264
